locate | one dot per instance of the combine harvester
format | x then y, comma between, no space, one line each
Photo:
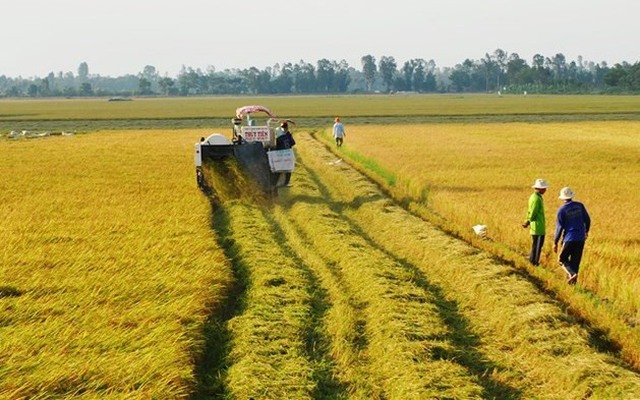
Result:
252,146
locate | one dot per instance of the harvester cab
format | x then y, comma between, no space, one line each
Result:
252,145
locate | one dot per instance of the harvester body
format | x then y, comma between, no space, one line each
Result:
252,145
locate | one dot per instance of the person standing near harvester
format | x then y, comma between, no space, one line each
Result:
339,132
572,226
284,140
535,220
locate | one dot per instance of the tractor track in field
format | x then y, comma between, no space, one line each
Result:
341,293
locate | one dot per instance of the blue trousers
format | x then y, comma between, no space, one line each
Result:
571,255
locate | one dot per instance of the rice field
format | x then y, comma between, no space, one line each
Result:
108,267
309,107
460,175
119,279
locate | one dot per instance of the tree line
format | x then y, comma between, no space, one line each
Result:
495,72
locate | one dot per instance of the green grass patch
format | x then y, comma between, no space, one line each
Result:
367,163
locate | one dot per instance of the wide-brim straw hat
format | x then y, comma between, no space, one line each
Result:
566,193
540,184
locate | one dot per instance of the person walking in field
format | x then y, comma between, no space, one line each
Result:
535,220
572,226
339,132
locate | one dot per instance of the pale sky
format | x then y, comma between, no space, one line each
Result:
117,37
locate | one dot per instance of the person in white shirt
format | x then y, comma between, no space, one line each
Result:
339,132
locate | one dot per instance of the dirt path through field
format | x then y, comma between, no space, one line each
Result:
347,295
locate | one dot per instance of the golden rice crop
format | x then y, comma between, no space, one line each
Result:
108,266
339,333
467,174
111,282
317,106
404,334
507,330
267,357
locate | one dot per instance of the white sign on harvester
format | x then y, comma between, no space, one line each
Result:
256,134
281,160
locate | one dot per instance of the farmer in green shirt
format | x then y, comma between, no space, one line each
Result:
535,220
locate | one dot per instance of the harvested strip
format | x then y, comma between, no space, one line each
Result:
407,338
548,355
268,355
344,321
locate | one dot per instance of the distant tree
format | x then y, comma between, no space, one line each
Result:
387,67
188,81
494,71
369,70
304,77
341,78
600,71
616,75
83,71
166,84
460,76
44,88
430,83
408,69
52,81
13,91
500,58
572,72
264,82
419,75
283,81
252,77
325,75
86,89
516,69
538,61
33,90
144,86
634,77
541,72
150,73
69,91
558,64
258,82
488,68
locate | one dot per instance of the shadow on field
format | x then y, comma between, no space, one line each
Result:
598,338
211,366
317,343
213,363
466,343
10,291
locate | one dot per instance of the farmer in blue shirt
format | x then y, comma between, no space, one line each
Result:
572,225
